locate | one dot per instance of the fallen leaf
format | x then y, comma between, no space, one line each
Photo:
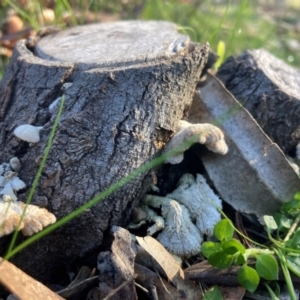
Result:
22,285
165,263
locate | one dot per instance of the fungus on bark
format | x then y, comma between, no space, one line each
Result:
187,134
28,133
12,215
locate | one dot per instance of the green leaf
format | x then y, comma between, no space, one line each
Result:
240,260
270,223
291,207
296,238
248,278
208,248
232,246
297,196
267,267
293,263
213,293
220,260
283,222
224,230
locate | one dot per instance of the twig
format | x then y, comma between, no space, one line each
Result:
67,292
162,283
153,292
292,229
114,291
142,288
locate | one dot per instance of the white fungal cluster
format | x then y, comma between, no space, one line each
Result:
186,133
12,214
188,213
9,181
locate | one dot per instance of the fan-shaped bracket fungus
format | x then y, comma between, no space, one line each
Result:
187,213
16,215
188,134
28,133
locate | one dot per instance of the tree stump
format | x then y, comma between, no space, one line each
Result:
270,90
131,83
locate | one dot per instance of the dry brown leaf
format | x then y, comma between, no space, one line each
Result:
22,285
165,263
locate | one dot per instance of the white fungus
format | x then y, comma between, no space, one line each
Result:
200,200
15,164
34,219
188,213
180,236
28,133
188,134
54,104
11,210
7,193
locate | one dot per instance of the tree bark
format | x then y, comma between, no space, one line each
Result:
131,83
270,90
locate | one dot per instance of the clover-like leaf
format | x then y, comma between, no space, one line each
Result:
224,230
270,223
220,260
291,207
232,246
267,267
296,238
213,293
240,260
248,278
209,247
283,222
293,263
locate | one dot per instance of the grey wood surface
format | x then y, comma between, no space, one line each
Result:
270,90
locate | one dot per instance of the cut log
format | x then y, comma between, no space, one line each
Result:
131,83
254,176
270,90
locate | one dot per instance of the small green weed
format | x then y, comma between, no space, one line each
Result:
261,264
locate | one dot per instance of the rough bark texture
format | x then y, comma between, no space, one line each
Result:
270,90
114,119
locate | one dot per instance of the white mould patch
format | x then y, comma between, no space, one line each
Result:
28,133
